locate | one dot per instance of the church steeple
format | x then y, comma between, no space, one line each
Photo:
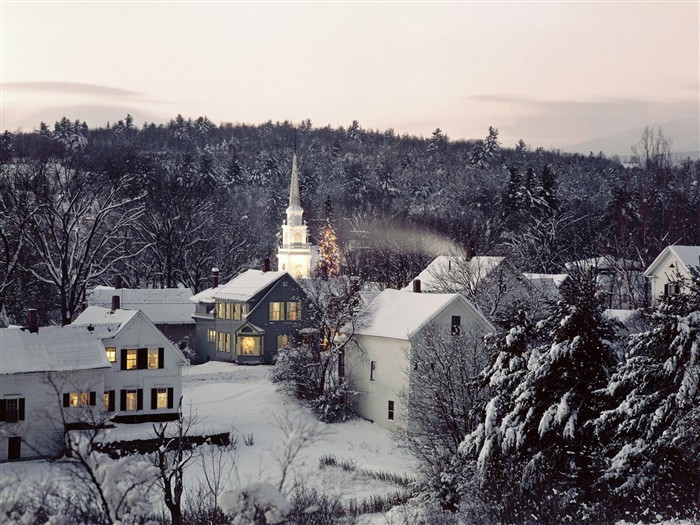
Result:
294,256
294,201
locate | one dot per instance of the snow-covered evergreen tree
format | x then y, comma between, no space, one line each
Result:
654,430
537,427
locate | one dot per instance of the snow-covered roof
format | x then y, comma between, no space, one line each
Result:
605,262
241,288
161,306
556,279
104,321
454,270
51,349
400,315
686,255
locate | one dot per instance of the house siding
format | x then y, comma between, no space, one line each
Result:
41,431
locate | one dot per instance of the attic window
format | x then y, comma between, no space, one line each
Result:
456,325
285,283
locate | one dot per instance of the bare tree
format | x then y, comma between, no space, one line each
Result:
75,235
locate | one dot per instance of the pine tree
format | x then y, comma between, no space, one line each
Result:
653,431
539,421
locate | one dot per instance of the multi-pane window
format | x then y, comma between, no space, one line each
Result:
249,345
108,400
211,335
293,311
75,399
276,311
132,400
282,341
12,410
153,358
227,342
220,342
229,312
131,358
111,354
672,289
162,398
372,370
390,411
240,310
456,325
290,311
220,310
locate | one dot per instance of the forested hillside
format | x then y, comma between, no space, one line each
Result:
161,204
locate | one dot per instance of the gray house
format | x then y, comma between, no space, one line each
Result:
248,319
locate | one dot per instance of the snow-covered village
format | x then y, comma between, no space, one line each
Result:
355,263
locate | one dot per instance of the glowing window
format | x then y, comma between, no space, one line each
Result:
229,315
84,399
105,400
74,399
111,354
220,310
249,345
131,400
211,336
294,311
282,341
162,398
153,361
131,358
276,311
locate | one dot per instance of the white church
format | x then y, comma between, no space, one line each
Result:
295,255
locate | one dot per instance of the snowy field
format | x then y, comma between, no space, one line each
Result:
224,397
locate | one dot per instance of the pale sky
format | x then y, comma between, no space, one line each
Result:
552,73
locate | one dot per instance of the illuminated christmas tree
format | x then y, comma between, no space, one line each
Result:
329,254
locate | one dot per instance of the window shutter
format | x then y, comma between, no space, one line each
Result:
93,398
170,397
122,400
66,400
20,405
139,399
161,357
123,358
110,401
154,398
142,359
3,410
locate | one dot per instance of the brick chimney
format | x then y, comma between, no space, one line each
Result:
416,286
471,249
214,277
32,323
117,281
266,265
115,303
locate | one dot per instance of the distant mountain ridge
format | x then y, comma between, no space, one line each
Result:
684,133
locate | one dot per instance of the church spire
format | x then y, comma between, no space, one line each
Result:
294,201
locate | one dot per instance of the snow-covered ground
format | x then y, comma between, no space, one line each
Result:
223,397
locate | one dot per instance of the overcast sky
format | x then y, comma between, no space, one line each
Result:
553,74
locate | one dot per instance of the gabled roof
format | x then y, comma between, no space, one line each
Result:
455,269
161,306
104,322
401,315
51,349
686,255
242,288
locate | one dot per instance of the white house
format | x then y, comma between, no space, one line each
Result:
672,264
621,279
50,378
488,281
170,309
378,361
144,382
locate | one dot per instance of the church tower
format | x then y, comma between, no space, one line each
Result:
294,256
